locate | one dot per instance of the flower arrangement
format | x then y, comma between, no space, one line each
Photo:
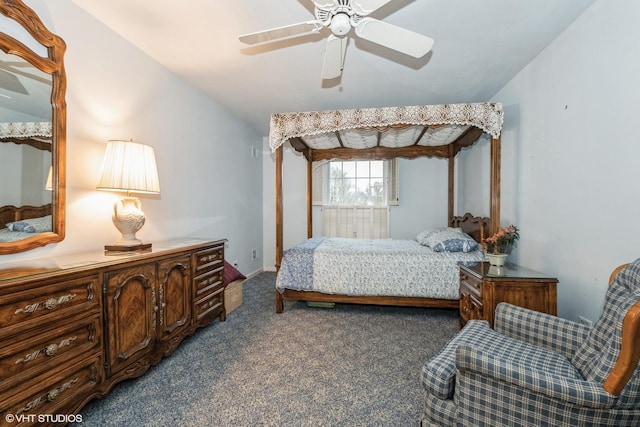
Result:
503,241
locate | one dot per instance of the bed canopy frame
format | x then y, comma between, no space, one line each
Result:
384,133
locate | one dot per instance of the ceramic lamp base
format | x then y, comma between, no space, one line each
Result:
128,219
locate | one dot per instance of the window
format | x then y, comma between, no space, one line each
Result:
356,183
355,196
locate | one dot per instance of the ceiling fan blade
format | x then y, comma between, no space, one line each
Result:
334,57
394,37
285,32
365,7
324,4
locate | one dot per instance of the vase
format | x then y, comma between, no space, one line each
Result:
497,259
495,271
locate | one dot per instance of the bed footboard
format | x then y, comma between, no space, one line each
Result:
370,300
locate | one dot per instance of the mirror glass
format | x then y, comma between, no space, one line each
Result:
32,131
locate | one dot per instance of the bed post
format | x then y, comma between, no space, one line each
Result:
309,197
494,208
279,230
452,167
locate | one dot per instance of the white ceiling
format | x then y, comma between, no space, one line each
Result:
479,46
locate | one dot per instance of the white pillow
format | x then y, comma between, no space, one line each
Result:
447,239
31,225
424,236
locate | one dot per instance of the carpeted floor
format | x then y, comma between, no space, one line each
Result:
347,366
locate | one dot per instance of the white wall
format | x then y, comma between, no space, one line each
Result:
570,171
294,190
423,197
207,174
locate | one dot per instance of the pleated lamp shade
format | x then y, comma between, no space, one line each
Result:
131,167
49,183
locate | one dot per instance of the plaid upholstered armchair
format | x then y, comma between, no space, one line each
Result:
534,369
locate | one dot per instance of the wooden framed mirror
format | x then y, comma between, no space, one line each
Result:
32,131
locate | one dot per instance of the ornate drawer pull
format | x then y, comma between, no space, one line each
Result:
208,282
52,349
49,350
50,304
54,393
51,395
209,258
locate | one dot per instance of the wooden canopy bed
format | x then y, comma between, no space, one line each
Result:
440,131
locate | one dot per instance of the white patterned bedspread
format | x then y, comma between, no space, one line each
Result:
7,235
364,267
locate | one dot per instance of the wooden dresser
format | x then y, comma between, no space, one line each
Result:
73,326
483,287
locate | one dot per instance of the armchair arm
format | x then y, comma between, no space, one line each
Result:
540,329
573,391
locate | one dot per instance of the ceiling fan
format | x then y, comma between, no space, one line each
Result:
341,16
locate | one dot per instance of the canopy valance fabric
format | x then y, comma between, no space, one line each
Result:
25,129
485,116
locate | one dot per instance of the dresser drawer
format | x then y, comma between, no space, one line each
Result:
209,259
207,282
45,395
209,304
30,354
470,308
470,284
20,311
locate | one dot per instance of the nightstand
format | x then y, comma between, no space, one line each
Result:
483,286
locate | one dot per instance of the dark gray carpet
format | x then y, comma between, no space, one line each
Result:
347,366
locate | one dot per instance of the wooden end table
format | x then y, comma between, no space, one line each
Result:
483,286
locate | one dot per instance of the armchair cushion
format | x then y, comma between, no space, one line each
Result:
540,329
571,388
439,372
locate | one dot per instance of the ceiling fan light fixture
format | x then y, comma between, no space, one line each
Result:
340,24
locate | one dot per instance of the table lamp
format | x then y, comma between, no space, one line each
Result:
130,167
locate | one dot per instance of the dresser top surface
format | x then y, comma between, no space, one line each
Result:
94,259
508,271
